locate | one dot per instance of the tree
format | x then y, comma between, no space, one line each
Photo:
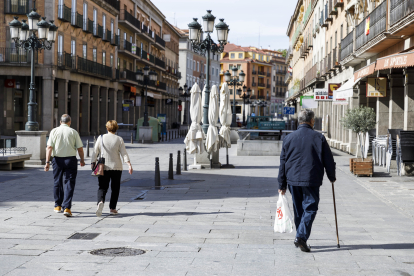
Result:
360,120
283,51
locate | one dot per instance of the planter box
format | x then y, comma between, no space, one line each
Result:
351,164
360,167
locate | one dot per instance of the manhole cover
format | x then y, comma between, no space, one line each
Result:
118,252
84,236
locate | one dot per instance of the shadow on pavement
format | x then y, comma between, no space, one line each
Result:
390,246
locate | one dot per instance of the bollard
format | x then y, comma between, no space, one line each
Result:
132,141
178,168
87,148
157,173
185,160
170,168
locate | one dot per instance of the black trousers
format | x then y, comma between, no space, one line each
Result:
305,205
115,178
64,167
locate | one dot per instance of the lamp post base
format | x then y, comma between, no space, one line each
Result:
32,126
35,142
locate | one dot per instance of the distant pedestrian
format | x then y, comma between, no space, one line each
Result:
62,145
305,155
112,148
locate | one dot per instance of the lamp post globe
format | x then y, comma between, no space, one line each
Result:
43,28
195,30
222,31
15,26
51,36
208,22
33,17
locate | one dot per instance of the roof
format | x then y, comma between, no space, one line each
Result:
230,47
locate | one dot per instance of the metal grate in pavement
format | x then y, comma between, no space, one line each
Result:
83,236
118,252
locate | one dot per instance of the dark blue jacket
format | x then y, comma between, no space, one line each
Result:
305,155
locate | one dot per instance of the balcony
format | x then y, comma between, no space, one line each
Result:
66,61
261,73
289,55
128,20
377,26
15,56
254,72
93,68
332,9
77,20
97,30
113,3
268,74
158,84
338,4
254,84
64,13
147,58
159,43
126,49
328,17
128,76
400,9
288,77
106,35
22,7
87,26
261,85
115,40
347,46
159,63
267,85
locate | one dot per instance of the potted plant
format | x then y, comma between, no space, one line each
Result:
318,74
360,120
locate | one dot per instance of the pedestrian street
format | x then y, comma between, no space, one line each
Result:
204,222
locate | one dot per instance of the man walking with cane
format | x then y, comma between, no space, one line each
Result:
305,155
63,143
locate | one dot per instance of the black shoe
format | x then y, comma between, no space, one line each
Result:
302,245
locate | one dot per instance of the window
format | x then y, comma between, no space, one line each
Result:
230,66
103,58
198,66
194,65
232,55
111,60
117,63
73,47
217,72
94,54
253,79
104,23
254,56
240,55
112,29
231,91
84,51
342,32
238,66
60,43
85,15
95,21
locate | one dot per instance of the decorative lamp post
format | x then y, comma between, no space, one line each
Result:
234,80
207,46
186,95
145,78
246,95
46,36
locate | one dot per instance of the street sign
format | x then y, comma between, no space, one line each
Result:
289,110
274,125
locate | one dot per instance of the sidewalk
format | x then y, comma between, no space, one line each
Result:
208,222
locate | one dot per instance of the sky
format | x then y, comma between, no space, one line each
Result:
247,19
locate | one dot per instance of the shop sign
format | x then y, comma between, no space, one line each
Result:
321,94
366,71
134,49
331,88
377,87
308,102
168,101
9,83
125,107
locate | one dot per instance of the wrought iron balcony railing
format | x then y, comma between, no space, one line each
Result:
113,3
64,13
347,45
16,56
77,20
66,61
377,25
126,16
159,63
400,9
95,68
159,40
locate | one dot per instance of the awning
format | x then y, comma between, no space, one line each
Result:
157,96
149,94
346,90
366,71
395,61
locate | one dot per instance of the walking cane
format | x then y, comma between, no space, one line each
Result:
336,220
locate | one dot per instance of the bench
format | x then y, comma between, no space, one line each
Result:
9,158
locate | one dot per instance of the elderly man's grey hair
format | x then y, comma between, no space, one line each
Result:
305,116
65,118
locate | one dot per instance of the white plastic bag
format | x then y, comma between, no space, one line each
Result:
283,217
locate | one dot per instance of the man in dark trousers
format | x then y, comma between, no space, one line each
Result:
305,155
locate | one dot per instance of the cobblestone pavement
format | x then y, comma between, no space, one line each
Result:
207,222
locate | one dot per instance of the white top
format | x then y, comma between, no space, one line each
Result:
65,141
113,149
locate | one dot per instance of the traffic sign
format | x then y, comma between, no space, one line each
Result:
289,110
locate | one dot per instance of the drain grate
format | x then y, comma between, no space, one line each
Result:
84,236
118,252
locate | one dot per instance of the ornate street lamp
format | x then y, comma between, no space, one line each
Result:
19,33
145,78
246,95
207,46
186,95
234,80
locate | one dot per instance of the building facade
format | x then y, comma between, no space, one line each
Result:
352,44
90,73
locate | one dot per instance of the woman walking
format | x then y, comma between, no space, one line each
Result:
112,148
